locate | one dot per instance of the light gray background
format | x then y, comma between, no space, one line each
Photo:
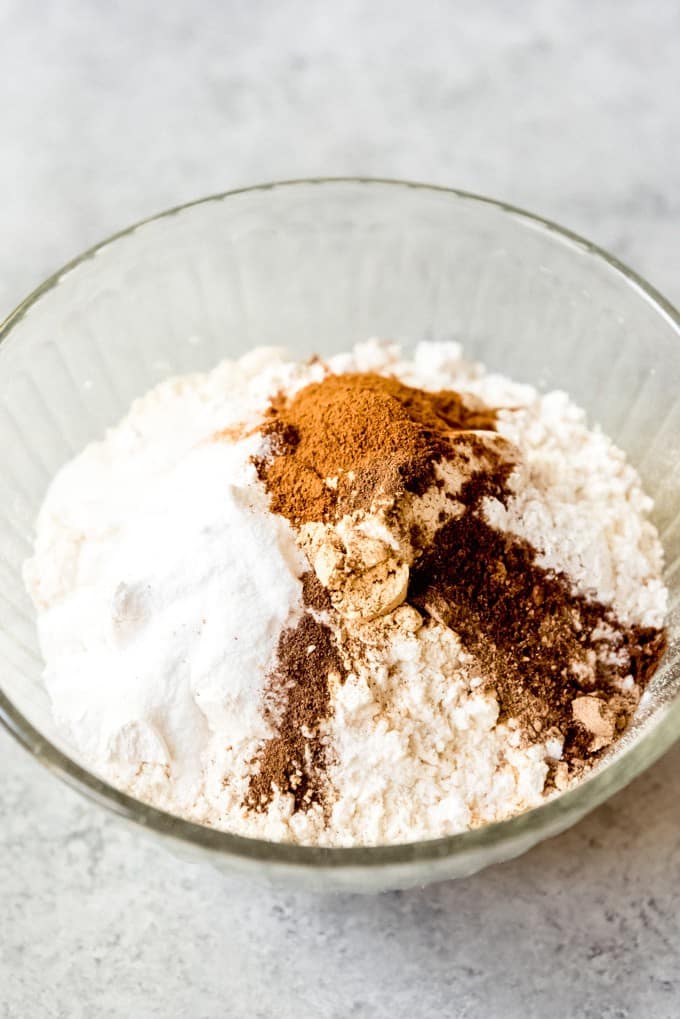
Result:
110,111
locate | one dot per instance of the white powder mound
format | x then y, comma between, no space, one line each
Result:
162,584
162,590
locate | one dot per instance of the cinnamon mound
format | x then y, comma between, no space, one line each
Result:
375,435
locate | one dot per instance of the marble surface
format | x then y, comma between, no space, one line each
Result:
109,112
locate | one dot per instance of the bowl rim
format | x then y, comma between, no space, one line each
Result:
574,803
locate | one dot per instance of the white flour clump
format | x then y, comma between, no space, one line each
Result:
165,587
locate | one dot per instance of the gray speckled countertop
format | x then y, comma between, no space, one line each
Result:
111,111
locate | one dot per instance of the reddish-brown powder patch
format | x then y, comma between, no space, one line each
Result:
373,434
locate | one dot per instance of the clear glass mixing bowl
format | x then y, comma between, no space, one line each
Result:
317,265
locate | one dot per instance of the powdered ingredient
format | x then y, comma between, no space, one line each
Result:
297,701
373,435
395,726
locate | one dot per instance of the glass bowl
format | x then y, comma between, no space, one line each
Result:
318,265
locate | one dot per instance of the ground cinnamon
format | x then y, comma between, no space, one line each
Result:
370,435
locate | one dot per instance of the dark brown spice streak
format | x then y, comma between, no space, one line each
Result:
297,701
531,633
314,594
